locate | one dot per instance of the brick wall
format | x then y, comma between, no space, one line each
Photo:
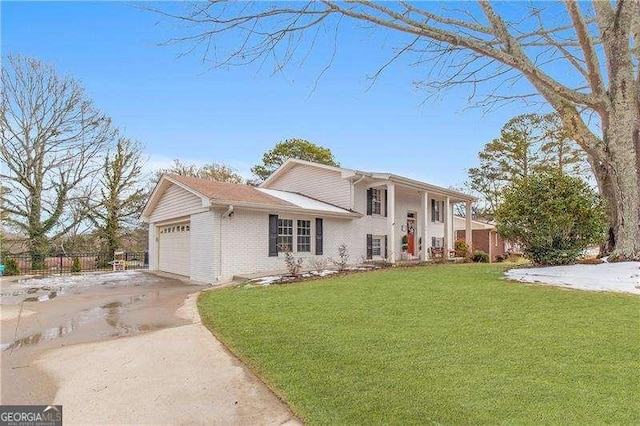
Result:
202,248
481,240
244,242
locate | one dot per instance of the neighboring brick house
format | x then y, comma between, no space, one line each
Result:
486,240
210,231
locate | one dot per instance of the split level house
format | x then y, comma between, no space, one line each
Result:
210,231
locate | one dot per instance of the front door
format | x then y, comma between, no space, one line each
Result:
411,233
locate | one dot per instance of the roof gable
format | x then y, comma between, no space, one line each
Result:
292,162
213,193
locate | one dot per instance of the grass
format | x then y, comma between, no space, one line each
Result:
450,344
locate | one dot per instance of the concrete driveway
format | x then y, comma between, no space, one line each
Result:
124,347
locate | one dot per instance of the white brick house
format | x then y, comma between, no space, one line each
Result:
209,231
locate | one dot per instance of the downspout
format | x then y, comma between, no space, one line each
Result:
228,214
353,191
220,245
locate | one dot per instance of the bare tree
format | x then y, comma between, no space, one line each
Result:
214,171
580,58
122,195
52,136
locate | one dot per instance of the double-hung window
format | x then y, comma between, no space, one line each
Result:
376,201
304,236
285,235
436,210
376,245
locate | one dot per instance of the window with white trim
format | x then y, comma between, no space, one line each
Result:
435,211
376,201
376,245
285,235
304,236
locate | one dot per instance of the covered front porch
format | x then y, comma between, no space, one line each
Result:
421,224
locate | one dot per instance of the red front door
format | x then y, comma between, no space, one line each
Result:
411,232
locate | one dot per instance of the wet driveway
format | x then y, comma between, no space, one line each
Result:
42,314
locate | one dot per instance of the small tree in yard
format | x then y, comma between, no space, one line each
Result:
76,266
552,216
293,264
462,248
11,267
343,258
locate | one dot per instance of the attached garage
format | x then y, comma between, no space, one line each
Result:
174,252
209,231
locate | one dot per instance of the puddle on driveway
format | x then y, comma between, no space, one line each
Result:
63,312
93,313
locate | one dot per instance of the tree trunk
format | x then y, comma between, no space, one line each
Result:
621,182
38,249
605,187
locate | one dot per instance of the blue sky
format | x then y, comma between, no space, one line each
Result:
180,108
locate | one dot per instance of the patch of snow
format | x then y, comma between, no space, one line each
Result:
616,277
82,280
271,279
267,280
324,272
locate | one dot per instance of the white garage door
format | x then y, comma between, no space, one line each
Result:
173,248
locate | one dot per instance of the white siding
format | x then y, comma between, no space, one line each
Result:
315,182
460,224
245,242
175,202
436,229
202,248
153,247
374,225
405,201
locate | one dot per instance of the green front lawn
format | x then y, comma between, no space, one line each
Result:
453,344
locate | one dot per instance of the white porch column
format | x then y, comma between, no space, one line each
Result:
424,231
391,222
447,226
468,229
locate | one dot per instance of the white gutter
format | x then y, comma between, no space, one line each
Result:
284,208
353,190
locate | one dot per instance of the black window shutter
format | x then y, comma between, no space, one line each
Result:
386,254
369,246
369,202
386,203
433,210
273,235
318,235
442,212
